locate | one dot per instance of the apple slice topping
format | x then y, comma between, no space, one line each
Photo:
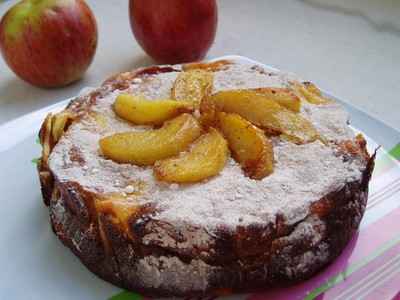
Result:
261,111
141,111
248,144
52,130
146,147
312,88
119,208
60,123
239,120
192,86
309,92
205,159
219,65
283,96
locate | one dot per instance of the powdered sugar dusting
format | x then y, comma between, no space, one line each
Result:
171,273
330,120
240,77
302,174
232,198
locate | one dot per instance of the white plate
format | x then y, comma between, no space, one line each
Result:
34,264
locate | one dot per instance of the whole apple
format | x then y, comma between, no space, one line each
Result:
49,43
174,31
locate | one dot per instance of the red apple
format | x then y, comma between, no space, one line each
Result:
48,43
174,31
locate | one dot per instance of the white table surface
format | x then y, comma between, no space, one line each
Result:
350,49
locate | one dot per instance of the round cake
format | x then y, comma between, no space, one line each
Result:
261,184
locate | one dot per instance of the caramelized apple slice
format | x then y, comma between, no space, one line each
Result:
283,96
215,66
309,92
51,131
146,147
140,111
192,86
46,139
248,144
208,111
119,208
249,104
60,122
297,129
262,112
205,159
312,88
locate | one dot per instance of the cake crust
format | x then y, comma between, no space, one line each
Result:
161,258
